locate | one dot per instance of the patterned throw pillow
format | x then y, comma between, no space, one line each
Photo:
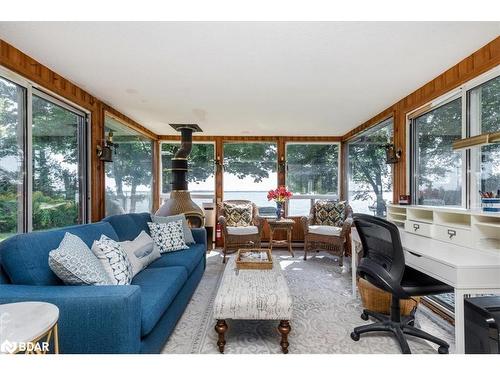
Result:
168,236
238,215
114,260
329,213
75,264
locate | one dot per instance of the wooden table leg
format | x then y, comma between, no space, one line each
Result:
271,232
289,237
284,329
221,328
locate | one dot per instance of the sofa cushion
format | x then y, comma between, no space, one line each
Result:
159,286
168,236
325,230
25,257
188,258
128,226
75,264
114,260
242,231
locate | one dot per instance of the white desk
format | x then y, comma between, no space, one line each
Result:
469,271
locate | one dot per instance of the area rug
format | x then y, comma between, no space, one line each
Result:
324,315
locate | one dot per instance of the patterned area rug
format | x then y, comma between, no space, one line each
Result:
324,315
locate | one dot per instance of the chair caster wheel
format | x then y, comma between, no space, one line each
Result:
354,336
412,323
443,350
364,316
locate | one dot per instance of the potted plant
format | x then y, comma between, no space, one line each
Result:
280,196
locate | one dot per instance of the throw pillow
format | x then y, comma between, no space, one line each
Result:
114,260
188,235
238,215
141,252
168,237
75,264
329,213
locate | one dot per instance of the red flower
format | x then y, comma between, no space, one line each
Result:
280,194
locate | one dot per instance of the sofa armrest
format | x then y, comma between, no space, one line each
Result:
92,319
200,235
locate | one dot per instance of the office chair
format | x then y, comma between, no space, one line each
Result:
383,265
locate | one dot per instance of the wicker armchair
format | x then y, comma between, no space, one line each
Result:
238,237
326,237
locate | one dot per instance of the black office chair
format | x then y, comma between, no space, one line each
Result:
383,265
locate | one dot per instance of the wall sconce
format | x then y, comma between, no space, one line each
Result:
218,163
282,164
105,153
392,154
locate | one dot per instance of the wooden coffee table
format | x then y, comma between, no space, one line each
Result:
284,225
253,295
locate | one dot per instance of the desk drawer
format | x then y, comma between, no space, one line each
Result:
440,271
462,237
417,227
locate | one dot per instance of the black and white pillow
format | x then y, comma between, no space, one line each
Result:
168,236
114,260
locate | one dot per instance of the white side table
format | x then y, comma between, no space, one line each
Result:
28,327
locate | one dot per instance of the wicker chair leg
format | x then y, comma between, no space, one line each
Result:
224,251
306,244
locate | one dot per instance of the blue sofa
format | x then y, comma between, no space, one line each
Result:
135,318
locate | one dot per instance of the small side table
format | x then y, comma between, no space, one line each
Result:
282,224
29,327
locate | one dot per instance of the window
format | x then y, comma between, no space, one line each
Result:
129,178
437,169
12,115
312,169
484,117
250,172
43,169
58,163
201,174
370,177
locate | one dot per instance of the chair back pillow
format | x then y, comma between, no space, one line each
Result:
328,212
238,214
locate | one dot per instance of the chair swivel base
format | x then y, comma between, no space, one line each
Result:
399,329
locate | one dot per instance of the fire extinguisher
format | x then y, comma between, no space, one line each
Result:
218,235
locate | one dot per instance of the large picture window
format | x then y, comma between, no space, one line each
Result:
129,178
250,172
437,169
370,177
201,173
312,169
43,179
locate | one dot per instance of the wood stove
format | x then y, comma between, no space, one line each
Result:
180,201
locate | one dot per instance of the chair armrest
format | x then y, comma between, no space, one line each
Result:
258,222
223,224
200,235
92,319
306,221
346,228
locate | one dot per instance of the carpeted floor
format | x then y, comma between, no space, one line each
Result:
324,315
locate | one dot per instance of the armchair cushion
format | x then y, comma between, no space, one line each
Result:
242,231
238,215
329,213
326,230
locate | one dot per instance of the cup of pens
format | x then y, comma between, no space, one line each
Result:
489,201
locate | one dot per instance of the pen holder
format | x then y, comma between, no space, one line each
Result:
490,204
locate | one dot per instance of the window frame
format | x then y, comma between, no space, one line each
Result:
84,144
469,157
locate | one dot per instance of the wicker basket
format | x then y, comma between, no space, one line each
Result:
377,300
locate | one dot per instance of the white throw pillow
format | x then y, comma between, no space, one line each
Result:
188,235
141,252
114,260
75,264
168,237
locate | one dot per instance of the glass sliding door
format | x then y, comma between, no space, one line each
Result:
12,125
129,178
201,174
370,177
437,168
250,171
57,163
